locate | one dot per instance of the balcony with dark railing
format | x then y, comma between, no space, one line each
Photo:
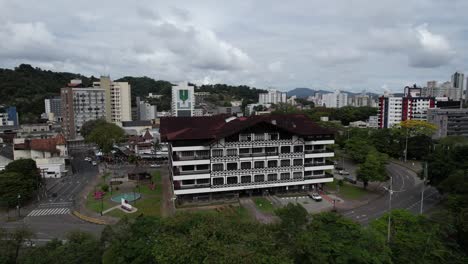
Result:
323,163
194,157
192,172
258,154
321,176
313,151
194,186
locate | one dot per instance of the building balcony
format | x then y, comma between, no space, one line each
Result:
196,157
260,154
313,151
242,172
323,176
180,173
311,164
195,186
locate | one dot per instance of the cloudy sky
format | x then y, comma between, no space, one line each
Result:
333,44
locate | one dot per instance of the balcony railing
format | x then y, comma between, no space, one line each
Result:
242,172
311,164
196,157
308,151
256,183
195,186
179,173
323,176
260,143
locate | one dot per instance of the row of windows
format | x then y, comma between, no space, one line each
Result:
246,178
245,165
266,150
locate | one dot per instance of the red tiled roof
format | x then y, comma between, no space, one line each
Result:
215,127
147,135
42,144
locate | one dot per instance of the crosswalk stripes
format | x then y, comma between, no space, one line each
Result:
49,211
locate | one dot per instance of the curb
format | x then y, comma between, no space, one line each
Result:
89,219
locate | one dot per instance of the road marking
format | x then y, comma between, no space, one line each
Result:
49,211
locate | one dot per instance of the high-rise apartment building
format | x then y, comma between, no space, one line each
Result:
80,105
8,116
53,108
449,122
117,99
336,99
146,111
183,100
228,156
272,97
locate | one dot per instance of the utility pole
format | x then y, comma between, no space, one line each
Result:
390,191
406,145
423,187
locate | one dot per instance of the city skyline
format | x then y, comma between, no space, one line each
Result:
388,44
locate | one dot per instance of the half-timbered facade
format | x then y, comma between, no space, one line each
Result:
222,155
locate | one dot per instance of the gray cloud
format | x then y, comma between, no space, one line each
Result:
362,44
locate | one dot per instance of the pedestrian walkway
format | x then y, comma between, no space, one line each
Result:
49,211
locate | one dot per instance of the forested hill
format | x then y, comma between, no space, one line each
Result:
26,87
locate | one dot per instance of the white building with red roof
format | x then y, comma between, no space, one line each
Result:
221,156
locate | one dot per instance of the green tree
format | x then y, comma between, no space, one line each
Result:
89,126
12,244
20,177
416,239
373,168
105,135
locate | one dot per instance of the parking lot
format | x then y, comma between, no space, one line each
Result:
308,203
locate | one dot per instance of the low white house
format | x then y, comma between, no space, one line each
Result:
49,154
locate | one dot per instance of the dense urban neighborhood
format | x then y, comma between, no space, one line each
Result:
242,132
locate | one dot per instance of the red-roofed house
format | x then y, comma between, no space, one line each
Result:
49,153
224,155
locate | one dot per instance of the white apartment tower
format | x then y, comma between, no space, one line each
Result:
272,97
183,100
117,98
227,156
335,100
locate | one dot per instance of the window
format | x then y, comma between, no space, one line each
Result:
244,151
284,176
308,161
218,167
217,152
285,163
203,153
188,168
232,152
259,178
297,175
272,163
246,165
246,179
272,177
257,150
319,160
231,180
298,149
203,167
318,172
245,137
218,181
187,153
307,173
232,166
259,164
203,181
285,149
188,182
271,150
297,162
259,136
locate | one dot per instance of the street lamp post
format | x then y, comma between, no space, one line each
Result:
390,191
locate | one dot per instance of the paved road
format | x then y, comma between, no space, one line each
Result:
407,195
51,217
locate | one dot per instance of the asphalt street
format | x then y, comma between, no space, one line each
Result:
407,189
50,218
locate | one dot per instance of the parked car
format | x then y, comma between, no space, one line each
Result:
94,163
343,172
87,159
155,166
315,196
350,179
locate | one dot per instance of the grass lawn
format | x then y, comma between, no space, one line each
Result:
347,191
264,205
149,203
